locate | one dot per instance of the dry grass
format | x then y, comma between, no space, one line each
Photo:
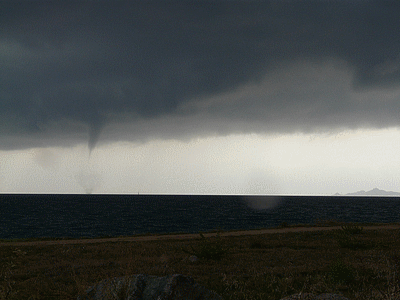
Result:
269,266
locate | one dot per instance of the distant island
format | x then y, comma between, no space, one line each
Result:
373,192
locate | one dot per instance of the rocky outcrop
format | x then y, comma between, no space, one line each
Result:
171,287
305,296
308,296
147,287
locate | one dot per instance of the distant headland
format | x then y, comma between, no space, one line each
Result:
373,192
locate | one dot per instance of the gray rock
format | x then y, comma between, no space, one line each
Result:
193,258
305,296
147,287
330,297
309,296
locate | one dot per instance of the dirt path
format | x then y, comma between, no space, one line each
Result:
185,236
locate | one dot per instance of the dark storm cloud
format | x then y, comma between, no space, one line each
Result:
73,71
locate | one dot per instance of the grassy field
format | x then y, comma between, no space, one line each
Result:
359,264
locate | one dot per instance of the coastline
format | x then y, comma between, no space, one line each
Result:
186,236
287,256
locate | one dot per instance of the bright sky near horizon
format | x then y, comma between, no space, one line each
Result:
221,97
236,164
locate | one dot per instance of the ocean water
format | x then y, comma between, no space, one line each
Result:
24,216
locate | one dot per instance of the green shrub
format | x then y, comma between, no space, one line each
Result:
257,244
341,273
346,240
352,229
208,249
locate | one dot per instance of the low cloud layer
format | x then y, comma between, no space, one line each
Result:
92,72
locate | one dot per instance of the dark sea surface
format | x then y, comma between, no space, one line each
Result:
25,216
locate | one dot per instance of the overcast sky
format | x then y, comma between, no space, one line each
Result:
199,97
